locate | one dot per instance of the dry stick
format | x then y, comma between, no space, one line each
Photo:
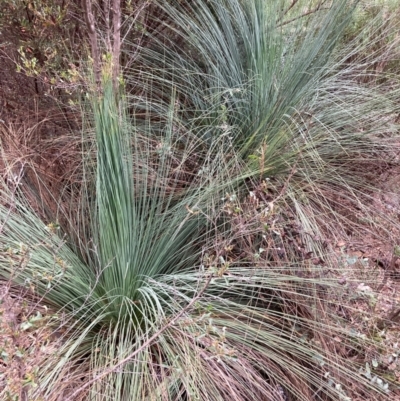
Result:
116,51
146,343
316,9
116,42
106,13
87,7
290,7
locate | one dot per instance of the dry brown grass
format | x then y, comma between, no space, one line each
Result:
42,164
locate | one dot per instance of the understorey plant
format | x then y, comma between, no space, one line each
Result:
172,280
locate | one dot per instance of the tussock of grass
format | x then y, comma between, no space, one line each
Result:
174,281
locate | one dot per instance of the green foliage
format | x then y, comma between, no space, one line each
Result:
245,75
372,38
291,101
155,302
48,38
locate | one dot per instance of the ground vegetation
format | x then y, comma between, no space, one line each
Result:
208,210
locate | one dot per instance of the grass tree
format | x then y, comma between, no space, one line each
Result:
269,77
157,299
